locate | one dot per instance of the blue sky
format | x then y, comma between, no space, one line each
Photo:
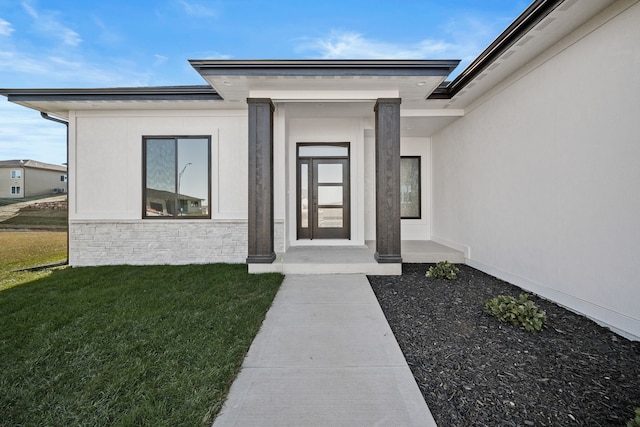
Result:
77,43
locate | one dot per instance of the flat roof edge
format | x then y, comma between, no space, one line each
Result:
201,92
378,67
536,12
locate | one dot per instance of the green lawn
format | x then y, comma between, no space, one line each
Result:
124,345
22,249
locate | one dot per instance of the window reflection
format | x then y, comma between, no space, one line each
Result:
177,177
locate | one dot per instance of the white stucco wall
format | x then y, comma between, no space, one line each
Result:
105,195
419,229
538,180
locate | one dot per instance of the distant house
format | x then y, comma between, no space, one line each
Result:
168,204
24,178
526,162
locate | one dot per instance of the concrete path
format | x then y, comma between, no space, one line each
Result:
325,356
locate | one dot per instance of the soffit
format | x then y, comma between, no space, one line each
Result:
562,21
324,80
412,89
61,108
59,102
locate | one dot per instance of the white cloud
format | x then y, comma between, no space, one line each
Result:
5,28
346,44
461,38
26,135
48,23
68,71
197,9
160,59
471,35
107,35
209,55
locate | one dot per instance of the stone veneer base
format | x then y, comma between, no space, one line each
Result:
147,242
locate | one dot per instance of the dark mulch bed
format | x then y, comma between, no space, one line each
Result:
476,371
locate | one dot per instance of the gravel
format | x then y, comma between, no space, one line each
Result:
476,371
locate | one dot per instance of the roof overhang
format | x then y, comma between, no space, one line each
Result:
419,83
320,80
539,28
60,101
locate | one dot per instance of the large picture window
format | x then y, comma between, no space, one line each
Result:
177,177
410,187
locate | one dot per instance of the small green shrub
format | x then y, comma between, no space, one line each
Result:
443,270
635,421
519,312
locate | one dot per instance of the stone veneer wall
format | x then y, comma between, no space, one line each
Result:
160,242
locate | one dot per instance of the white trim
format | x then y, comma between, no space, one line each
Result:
598,314
325,242
176,112
324,95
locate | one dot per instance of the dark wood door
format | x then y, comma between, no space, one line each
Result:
323,198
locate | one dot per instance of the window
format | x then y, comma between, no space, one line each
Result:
177,177
410,187
15,190
63,178
16,173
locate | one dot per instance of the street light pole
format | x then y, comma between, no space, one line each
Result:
179,179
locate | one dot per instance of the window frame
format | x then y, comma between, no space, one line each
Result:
176,138
419,181
16,173
15,190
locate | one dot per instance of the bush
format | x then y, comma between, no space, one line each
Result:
519,312
443,270
635,421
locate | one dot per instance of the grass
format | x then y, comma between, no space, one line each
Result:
32,218
124,345
29,249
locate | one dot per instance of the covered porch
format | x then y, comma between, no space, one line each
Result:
354,259
324,162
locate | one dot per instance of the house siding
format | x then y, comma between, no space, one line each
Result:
537,180
32,181
105,193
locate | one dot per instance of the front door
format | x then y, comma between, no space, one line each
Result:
323,191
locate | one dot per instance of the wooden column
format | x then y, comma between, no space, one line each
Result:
260,181
387,112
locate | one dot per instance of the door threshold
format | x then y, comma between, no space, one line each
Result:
326,242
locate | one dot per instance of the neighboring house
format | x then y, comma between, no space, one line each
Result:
165,203
528,160
25,178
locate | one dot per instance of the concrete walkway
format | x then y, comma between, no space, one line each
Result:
325,356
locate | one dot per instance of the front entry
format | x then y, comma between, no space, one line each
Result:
323,197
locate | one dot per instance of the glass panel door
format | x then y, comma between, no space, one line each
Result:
330,198
323,191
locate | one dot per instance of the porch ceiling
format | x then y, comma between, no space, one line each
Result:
413,123
324,80
412,89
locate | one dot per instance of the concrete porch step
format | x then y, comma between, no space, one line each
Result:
354,259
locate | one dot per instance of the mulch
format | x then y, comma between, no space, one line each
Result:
476,371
